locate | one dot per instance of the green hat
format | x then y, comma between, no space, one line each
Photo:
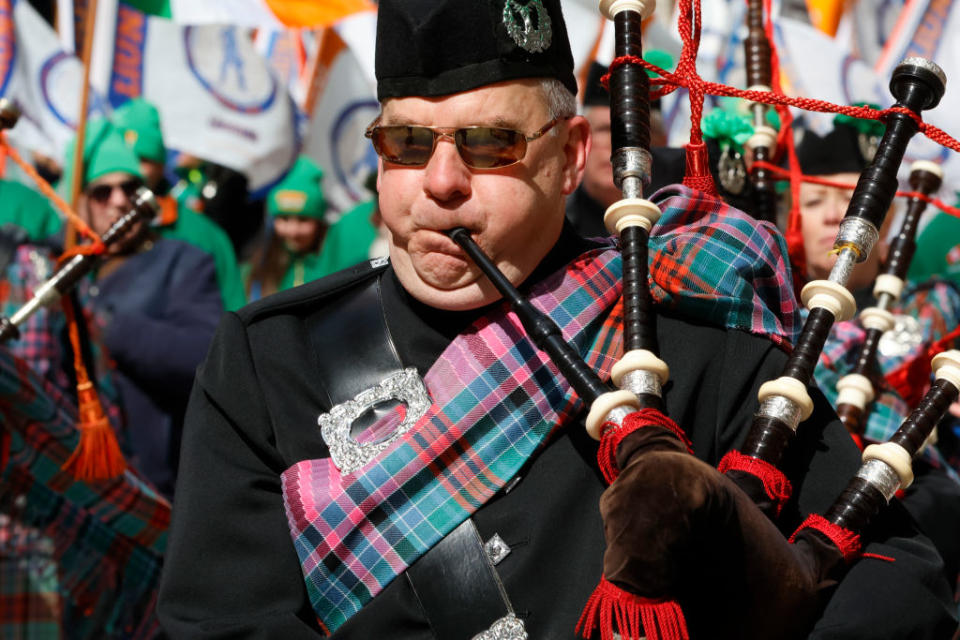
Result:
104,151
299,193
139,122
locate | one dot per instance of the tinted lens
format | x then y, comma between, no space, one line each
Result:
489,147
102,192
130,188
404,145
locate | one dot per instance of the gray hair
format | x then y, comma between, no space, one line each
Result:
561,103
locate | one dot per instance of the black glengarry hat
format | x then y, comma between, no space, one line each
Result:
848,148
440,47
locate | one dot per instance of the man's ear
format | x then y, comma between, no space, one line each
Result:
575,149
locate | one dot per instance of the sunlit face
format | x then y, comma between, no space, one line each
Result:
822,209
299,234
514,213
598,175
105,200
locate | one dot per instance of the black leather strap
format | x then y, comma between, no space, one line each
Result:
458,587
353,345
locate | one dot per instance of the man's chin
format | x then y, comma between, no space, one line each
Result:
471,293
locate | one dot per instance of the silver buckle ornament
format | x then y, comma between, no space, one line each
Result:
529,37
347,453
509,627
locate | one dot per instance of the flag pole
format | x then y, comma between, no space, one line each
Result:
89,24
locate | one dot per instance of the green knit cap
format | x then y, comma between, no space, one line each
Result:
104,151
299,193
139,122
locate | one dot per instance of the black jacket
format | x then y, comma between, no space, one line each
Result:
231,569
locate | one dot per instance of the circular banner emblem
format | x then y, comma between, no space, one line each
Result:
61,79
231,72
353,162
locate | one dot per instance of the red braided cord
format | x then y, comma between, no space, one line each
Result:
97,246
694,83
845,540
782,173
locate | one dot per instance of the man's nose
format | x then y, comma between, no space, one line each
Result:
446,177
838,207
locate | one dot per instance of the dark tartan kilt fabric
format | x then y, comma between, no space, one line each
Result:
77,560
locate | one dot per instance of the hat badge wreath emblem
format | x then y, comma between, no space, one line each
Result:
518,19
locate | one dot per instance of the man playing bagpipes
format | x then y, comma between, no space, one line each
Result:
384,453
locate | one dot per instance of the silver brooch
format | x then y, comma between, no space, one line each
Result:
906,335
528,37
496,549
732,171
348,454
868,146
509,627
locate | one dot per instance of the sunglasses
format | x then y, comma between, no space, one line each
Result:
102,192
479,147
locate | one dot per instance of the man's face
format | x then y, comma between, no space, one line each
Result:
598,175
299,234
822,209
105,200
514,213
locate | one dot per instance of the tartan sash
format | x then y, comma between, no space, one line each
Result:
497,399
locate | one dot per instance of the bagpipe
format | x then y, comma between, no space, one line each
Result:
77,263
98,455
857,389
666,510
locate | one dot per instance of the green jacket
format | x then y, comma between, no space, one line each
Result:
22,206
348,241
938,250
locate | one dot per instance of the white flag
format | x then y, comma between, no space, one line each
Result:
216,95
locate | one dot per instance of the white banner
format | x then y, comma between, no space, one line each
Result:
818,66
216,95
43,79
345,105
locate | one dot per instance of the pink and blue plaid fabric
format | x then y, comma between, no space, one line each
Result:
497,399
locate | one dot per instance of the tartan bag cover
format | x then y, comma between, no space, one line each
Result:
497,399
106,539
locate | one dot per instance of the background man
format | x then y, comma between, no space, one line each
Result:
158,300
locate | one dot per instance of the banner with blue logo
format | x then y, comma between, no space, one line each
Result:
216,95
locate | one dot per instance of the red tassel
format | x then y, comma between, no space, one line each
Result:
631,616
98,455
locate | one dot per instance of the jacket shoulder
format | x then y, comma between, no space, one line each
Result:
309,295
